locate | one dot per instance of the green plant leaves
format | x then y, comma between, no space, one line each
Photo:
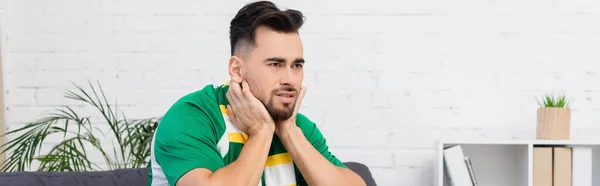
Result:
550,100
81,138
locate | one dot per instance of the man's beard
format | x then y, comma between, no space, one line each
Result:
279,114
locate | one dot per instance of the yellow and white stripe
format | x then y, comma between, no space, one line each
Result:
232,133
279,170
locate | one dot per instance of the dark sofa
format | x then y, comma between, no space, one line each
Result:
122,177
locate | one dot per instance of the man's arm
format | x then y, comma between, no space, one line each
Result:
186,150
247,169
316,168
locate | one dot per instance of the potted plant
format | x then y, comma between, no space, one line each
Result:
553,118
79,137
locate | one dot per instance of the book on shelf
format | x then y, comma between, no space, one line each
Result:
562,166
459,167
542,166
471,172
582,166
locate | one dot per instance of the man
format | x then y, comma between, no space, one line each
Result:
249,131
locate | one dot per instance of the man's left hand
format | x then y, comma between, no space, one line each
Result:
284,125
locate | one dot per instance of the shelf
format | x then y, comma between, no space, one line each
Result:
508,162
523,142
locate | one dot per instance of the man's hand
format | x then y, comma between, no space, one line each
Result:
246,112
284,125
249,115
315,168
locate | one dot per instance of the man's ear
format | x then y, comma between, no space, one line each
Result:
236,69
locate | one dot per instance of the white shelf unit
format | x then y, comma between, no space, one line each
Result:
503,163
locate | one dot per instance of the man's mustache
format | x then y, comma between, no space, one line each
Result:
287,88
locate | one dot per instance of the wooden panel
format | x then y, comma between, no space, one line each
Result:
553,123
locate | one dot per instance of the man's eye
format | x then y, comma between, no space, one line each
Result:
298,65
274,64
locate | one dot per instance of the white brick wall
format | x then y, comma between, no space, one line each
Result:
402,73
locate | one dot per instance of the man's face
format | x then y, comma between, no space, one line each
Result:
274,71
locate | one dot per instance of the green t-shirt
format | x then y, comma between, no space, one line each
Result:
196,133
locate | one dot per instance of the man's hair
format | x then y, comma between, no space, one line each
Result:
261,13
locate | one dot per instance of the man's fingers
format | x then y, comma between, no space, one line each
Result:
234,95
246,90
302,93
235,89
231,97
300,98
231,113
232,116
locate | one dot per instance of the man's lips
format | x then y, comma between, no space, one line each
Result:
286,96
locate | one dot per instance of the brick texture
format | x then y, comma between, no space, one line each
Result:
386,79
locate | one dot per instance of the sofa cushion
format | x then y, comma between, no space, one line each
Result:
120,177
124,177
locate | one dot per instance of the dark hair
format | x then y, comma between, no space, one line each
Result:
261,13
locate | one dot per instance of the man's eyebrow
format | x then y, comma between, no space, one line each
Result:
276,59
281,60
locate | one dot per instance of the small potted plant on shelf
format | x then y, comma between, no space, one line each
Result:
553,118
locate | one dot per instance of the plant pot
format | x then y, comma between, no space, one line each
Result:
553,123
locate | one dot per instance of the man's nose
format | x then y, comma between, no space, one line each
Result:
288,77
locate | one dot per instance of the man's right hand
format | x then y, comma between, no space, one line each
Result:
246,112
249,115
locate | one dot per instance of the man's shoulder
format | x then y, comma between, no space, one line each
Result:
207,94
200,107
305,124
302,119
209,97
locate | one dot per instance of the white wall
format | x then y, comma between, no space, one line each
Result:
402,73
